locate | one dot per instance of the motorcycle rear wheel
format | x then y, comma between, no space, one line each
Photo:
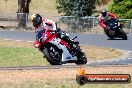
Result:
123,35
82,59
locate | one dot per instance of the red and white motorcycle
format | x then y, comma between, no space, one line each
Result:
57,51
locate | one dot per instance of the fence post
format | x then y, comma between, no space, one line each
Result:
131,27
59,22
93,21
26,19
22,20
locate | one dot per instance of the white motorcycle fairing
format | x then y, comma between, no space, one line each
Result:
66,56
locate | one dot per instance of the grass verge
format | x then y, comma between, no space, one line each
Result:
45,7
58,78
24,54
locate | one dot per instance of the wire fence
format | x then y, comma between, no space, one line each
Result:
67,23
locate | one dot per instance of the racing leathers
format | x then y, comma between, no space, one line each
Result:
103,19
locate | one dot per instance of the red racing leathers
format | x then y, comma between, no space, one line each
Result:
45,25
102,19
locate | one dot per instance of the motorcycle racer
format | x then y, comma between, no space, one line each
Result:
43,24
104,16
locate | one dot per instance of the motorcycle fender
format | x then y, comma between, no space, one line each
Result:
66,56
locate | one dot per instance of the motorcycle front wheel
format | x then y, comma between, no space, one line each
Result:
53,55
82,59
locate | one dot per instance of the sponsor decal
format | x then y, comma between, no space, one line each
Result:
83,78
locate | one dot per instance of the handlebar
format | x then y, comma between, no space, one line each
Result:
74,38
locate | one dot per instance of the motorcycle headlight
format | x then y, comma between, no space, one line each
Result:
118,24
67,34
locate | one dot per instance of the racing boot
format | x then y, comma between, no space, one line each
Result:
70,42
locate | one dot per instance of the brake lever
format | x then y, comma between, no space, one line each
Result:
74,38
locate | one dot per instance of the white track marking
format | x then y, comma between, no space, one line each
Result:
18,40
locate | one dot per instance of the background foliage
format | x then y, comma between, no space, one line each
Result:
123,8
75,7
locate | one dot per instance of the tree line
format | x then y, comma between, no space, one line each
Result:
80,8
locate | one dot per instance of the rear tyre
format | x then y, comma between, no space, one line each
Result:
123,35
52,55
82,59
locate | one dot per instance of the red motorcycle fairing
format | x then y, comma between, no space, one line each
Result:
36,44
47,36
56,50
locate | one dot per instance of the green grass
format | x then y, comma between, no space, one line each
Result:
24,54
10,56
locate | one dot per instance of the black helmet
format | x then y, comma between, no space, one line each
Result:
36,19
104,12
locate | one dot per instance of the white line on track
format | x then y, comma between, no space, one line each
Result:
18,40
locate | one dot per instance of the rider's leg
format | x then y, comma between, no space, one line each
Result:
72,44
66,38
39,36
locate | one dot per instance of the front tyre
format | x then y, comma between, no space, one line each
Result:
52,55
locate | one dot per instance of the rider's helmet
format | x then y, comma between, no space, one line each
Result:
104,12
36,19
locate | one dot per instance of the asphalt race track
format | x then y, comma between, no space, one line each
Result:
100,40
